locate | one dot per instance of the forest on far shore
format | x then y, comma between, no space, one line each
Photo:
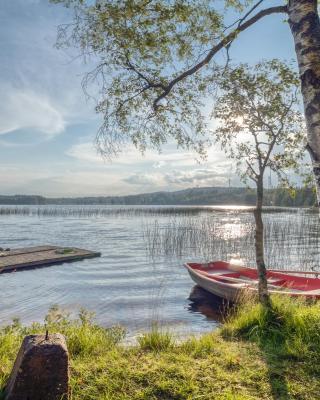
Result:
302,197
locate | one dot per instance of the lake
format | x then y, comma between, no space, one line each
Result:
139,277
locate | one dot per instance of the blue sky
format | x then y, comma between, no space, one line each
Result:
47,127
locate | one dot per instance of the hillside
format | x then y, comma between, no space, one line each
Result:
194,196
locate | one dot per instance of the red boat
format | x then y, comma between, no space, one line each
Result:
229,281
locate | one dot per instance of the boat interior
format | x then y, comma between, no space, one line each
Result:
224,272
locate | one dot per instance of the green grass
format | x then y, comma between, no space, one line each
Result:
292,326
157,340
256,355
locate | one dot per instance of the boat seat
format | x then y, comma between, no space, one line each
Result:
227,278
229,275
237,278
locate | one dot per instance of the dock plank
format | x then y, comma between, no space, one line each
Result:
40,256
25,250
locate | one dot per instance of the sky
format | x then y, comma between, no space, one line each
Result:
47,127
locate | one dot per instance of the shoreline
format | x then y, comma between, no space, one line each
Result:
250,357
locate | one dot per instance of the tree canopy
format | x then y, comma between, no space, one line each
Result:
259,124
154,64
260,127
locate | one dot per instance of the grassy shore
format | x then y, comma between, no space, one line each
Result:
255,355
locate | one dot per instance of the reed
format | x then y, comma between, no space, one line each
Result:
99,211
289,242
92,211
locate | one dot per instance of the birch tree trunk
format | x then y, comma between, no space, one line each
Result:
259,247
305,27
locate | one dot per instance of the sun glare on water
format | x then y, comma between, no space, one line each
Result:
231,207
231,231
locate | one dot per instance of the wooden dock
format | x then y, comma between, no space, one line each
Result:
41,256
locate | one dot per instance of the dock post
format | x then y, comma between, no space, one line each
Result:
41,369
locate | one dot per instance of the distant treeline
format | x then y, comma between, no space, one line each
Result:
304,197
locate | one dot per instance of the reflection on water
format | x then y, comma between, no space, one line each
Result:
139,277
212,307
233,229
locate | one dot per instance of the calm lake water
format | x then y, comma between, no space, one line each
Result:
139,277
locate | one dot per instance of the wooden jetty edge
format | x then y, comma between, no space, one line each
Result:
41,256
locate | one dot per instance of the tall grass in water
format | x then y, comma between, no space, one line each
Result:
202,236
96,211
88,211
290,242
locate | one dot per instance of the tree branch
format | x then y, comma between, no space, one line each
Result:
253,171
150,84
222,44
249,12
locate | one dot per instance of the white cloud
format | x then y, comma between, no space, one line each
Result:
62,182
169,158
159,164
143,179
32,111
153,171
175,179
66,180
12,176
85,152
201,177
40,85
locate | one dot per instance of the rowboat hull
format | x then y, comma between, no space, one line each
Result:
220,290
231,282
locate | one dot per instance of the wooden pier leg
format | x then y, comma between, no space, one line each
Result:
41,370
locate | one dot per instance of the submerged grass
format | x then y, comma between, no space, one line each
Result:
257,354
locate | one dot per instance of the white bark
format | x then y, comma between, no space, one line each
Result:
305,27
259,247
